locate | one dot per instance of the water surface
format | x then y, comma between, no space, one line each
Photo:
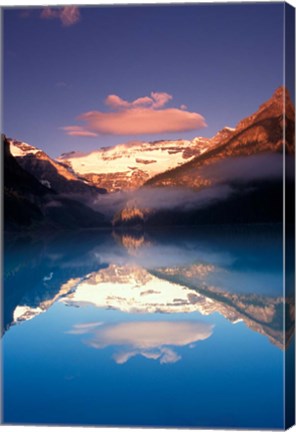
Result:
181,329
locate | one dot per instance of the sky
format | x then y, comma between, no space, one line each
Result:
80,78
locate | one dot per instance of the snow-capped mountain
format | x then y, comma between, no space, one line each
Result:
32,203
234,177
52,174
261,132
129,165
237,180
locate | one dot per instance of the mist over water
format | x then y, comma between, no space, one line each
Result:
222,176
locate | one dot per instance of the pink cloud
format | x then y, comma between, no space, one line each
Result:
78,131
140,121
68,15
116,102
144,115
156,100
160,99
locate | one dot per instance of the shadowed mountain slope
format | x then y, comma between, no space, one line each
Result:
30,204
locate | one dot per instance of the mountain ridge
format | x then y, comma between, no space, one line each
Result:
29,204
267,121
127,166
241,176
55,175
234,177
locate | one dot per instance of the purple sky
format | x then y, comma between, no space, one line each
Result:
83,78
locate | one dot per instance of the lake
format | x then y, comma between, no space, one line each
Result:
171,328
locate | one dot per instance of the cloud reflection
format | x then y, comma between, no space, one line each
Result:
154,340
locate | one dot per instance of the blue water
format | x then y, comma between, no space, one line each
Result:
93,359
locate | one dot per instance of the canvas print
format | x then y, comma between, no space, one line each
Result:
148,195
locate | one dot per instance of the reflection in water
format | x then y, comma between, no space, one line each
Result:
262,314
153,340
25,313
134,283
179,290
131,288
131,242
71,305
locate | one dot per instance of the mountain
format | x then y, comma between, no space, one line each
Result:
130,165
23,193
177,163
261,132
237,180
234,177
30,204
53,174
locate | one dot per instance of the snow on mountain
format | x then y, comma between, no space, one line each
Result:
21,149
128,166
121,167
49,172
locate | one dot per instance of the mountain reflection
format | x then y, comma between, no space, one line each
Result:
131,242
131,288
152,340
178,290
232,275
